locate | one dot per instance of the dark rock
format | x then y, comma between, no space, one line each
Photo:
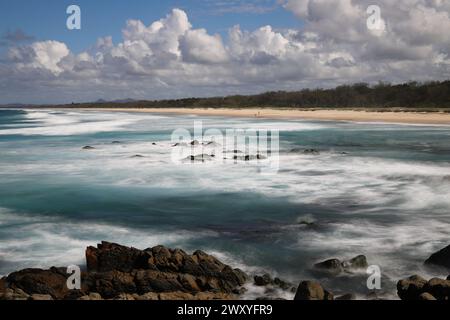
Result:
411,288
37,281
199,158
438,288
195,143
109,256
263,280
88,148
331,267
116,142
359,262
311,152
440,258
138,156
154,144
119,272
310,290
180,144
448,278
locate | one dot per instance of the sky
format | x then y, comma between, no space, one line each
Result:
143,49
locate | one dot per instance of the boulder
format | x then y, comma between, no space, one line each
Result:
334,267
440,259
331,267
36,281
310,290
119,272
358,262
411,288
438,288
263,280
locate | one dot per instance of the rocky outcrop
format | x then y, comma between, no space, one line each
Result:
417,288
440,259
118,272
334,267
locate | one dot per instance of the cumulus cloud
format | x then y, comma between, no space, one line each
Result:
171,58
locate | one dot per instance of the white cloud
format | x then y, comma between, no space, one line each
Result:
171,58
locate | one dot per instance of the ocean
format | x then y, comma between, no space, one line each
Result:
382,190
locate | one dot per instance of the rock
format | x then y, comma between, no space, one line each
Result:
41,297
199,158
119,272
16,294
195,143
310,290
264,280
36,281
426,296
448,278
137,156
358,262
440,258
109,256
116,142
88,148
331,267
438,288
334,267
311,152
153,144
180,144
347,296
411,288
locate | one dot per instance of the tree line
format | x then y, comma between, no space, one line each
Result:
411,95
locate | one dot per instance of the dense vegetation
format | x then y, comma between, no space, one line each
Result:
412,95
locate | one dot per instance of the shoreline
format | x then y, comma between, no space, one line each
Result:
400,117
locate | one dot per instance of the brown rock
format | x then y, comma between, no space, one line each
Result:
37,281
411,288
426,296
310,290
439,288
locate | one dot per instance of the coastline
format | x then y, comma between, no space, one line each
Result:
401,117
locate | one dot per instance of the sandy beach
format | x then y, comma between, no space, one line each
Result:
332,115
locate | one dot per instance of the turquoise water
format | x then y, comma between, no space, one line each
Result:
376,189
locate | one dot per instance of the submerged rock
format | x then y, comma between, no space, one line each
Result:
199,158
440,259
331,266
334,267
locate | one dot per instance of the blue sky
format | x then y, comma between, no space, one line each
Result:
170,49
46,19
